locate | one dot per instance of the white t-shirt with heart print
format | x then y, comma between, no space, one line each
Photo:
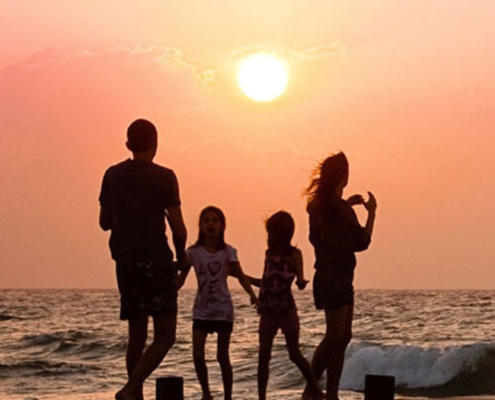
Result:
213,300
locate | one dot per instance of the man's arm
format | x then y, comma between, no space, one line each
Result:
106,218
179,234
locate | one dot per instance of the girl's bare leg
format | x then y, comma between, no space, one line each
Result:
265,352
292,340
199,340
224,361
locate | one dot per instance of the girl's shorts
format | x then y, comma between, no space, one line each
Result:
211,326
287,320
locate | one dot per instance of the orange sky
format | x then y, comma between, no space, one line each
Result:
406,89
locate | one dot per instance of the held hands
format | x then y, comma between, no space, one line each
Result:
182,263
301,284
254,301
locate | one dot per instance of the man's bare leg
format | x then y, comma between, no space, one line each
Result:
163,340
138,333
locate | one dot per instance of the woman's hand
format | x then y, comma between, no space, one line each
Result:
370,205
355,200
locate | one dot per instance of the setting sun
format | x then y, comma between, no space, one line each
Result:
262,77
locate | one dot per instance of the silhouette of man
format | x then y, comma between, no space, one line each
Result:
136,196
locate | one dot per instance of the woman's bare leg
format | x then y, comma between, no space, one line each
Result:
339,332
330,353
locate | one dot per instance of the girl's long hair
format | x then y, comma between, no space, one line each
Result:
221,216
326,178
280,228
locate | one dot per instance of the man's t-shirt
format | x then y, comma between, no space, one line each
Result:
137,193
213,300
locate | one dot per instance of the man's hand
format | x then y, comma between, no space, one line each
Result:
183,263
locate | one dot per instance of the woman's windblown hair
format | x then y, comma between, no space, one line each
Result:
326,178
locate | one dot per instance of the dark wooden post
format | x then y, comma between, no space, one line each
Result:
379,387
170,388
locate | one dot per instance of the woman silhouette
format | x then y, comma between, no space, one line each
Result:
336,235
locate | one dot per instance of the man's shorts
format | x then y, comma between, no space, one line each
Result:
147,287
287,320
211,326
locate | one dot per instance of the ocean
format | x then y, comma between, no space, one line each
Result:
70,344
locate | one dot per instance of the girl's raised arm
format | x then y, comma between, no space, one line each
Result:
298,264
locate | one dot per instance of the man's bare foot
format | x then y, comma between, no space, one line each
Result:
126,394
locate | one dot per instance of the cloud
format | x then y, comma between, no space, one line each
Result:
171,58
328,50
142,80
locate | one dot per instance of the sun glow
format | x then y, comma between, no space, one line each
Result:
262,77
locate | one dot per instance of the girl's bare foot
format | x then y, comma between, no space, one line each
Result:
316,395
306,394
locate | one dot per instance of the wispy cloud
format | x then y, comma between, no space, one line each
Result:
327,50
170,58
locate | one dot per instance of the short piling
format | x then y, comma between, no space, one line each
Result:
170,388
379,387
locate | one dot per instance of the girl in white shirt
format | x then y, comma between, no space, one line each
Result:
213,261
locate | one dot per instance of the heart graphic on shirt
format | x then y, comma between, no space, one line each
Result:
214,267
